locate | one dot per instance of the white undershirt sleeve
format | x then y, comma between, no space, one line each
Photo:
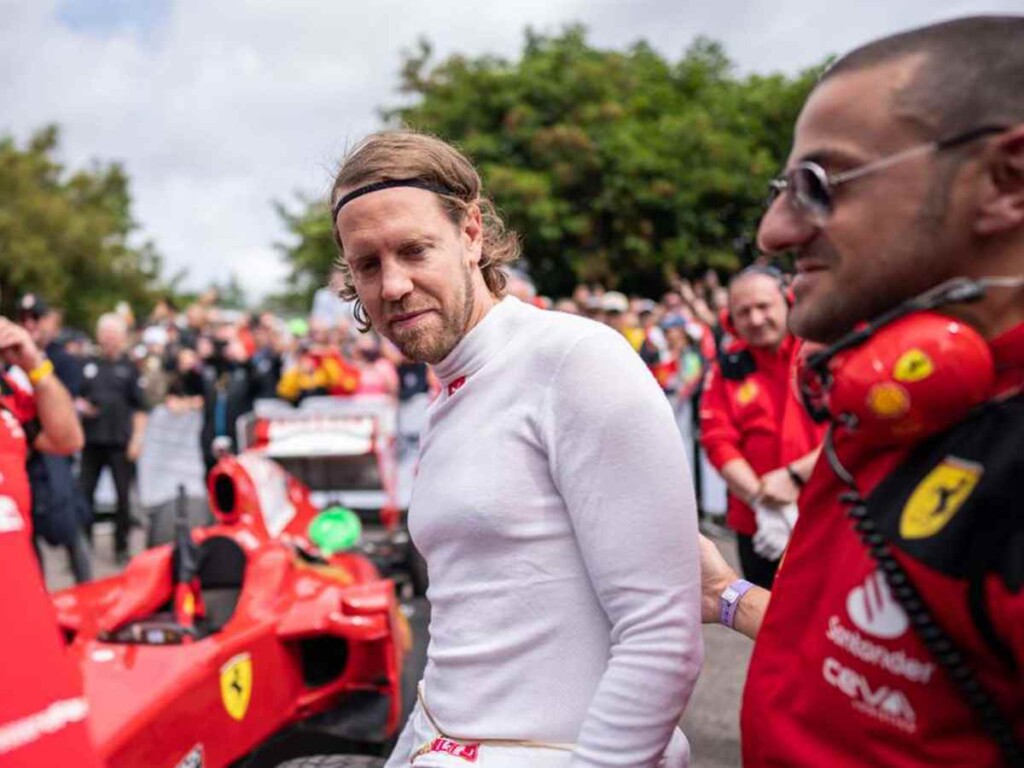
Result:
619,463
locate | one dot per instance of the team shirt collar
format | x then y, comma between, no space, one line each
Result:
477,346
1008,351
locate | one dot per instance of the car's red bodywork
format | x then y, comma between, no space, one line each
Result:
295,637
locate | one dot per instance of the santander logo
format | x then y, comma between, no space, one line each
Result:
873,609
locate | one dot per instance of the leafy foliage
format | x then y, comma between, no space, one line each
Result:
614,166
66,235
309,255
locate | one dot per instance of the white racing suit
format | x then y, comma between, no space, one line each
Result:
422,745
554,509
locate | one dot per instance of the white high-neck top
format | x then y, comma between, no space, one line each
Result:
554,507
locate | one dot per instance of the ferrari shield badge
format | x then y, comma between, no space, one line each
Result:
938,497
236,685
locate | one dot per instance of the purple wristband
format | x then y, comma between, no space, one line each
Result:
729,601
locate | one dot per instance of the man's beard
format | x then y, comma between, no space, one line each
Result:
920,262
427,346
836,314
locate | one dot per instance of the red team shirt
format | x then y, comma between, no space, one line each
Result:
42,712
838,677
750,409
17,409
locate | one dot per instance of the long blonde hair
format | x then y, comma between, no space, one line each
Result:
404,154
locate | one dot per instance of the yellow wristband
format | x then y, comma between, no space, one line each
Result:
41,371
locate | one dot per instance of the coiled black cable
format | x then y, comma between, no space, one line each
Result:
949,656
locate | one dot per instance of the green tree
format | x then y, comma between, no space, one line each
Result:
65,235
231,294
309,253
617,166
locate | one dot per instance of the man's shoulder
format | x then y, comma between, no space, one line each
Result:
959,492
558,332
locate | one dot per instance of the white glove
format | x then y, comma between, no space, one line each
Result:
774,527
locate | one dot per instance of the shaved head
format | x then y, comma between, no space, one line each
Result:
972,75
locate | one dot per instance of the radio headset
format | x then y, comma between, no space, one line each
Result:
949,656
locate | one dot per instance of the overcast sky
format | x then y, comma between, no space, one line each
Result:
217,108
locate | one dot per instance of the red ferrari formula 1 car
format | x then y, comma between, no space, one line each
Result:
346,451
256,639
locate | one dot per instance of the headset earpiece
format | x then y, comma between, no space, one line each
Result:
915,377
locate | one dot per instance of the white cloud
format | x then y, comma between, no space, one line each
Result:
226,106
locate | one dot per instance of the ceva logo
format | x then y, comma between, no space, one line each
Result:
887,704
874,610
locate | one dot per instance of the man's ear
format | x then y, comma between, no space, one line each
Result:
1002,209
472,232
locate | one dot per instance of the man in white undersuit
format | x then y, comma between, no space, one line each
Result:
553,502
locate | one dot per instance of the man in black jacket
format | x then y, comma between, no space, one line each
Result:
112,407
229,390
59,511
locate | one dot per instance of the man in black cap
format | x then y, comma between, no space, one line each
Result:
44,326
60,514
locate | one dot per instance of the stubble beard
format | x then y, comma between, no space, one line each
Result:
827,317
424,345
916,263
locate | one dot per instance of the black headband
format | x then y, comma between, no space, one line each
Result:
377,186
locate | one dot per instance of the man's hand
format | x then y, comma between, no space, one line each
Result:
60,431
85,409
715,576
778,489
139,419
686,292
17,346
774,528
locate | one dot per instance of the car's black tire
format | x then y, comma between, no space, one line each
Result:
334,761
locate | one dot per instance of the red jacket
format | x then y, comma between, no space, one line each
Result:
751,409
42,711
839,677
17,413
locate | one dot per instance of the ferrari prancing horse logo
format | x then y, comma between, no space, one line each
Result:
913,365
236,685
746,392
938,497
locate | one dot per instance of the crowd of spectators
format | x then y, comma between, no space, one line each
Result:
678,337
219,362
